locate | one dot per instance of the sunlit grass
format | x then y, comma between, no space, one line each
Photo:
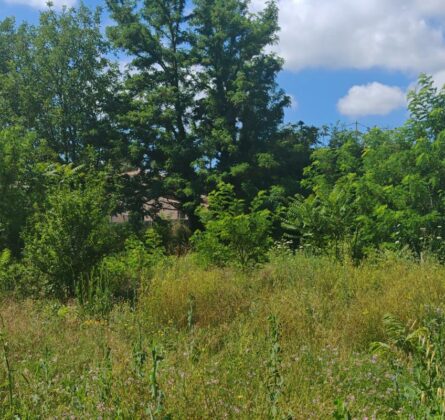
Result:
212,329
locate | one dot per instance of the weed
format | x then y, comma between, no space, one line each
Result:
156,392
94,293
8,367
222,361
417,358
275,379
341,411
139,353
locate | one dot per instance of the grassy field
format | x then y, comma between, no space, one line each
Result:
283,341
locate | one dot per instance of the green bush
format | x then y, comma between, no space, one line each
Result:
20,183
128,269
71,232
5,262
232,236
382,189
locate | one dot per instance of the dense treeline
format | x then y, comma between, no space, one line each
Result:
382,189
197,117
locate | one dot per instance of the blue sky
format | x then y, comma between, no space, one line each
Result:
346,60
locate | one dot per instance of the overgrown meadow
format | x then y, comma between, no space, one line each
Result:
293,339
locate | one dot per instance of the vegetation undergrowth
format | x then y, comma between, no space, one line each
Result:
293,339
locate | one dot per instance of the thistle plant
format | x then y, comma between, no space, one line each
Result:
157,394
139,353
275,379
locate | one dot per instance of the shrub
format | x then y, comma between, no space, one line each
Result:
126,270
20,183
232,236
14,276
5,261
71,232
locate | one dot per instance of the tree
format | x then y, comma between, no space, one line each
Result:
240,108
160,93
57,81
427,108
382,189
7,89
204,104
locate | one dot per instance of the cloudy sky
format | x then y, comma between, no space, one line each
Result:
346,60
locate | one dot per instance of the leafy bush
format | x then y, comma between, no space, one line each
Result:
71,232
20,182
5,261
128,269
232,236
14,276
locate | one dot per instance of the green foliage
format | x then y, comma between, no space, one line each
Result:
240,108
202,101
378,190
275,379
159,97
427,108
20,183
127,270
341,411
58,82
232,236
94,293
71,232
6,283
158,410
416,355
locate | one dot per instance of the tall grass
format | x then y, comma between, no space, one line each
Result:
223,354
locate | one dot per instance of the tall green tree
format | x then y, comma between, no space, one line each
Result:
160,93
240,108
204,104
427,108
57,81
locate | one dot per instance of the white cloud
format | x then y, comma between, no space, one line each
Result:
371,99
405,35
439,79
42,4
293,102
